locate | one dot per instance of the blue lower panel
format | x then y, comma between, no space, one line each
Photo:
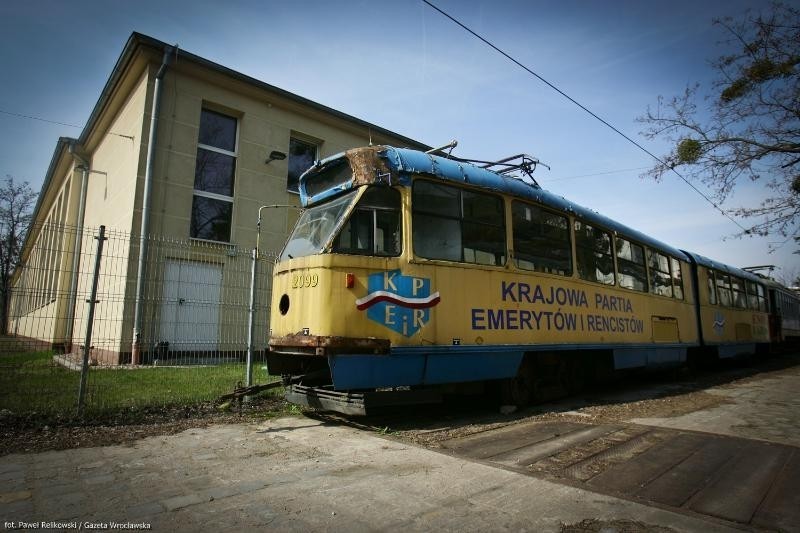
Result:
651,357
454,368
727,351
373,371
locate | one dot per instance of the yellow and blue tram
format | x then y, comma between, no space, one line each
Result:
410,271
784,314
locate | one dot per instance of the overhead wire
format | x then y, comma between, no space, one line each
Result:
31,117
604,173
587,110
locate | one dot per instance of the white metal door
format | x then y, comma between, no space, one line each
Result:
190,308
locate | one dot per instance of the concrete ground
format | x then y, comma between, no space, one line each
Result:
295,474
765,407
298,474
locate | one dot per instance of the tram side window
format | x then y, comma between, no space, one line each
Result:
457,225
712,288
752,295
762,298
756,296
593,254
724,289
677,278
632,273
374,225
739,294
541,240
660,278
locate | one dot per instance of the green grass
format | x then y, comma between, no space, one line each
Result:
33,384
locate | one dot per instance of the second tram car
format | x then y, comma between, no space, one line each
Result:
784,314
410,271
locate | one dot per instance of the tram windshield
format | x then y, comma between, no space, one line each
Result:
315,227
372,228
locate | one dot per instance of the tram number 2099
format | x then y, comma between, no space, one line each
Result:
300,281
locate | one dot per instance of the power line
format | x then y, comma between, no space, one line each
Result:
31,117
590,112
39,119
604,173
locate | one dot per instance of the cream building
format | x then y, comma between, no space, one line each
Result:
224,145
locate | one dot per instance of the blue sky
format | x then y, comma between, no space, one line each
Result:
403,66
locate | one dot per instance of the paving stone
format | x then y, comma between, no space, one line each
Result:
17,509
11,477
95,464
66,500
179,502
206,457
144,510
12,467
100,480
11,497
250,486
50,491
15,485
218,493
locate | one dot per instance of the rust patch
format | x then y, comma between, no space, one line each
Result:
323,345
368,167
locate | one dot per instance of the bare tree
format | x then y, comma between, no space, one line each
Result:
16,211
747,126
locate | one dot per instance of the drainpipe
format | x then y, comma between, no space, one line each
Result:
136,349
76,250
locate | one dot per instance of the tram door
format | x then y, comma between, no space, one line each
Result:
190,306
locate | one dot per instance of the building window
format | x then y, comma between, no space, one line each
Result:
632,273
458,225
541,240
302,155
593,254
215,170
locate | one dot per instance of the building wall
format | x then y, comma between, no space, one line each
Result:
40,288
117,164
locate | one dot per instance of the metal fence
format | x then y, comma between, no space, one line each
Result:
196,327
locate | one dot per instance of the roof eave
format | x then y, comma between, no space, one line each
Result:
137,40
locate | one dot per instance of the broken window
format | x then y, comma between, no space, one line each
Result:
541,240
374,225
593,254
458,225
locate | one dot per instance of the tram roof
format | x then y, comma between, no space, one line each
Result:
402,163
412,162
738,272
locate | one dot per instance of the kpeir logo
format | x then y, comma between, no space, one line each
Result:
401,303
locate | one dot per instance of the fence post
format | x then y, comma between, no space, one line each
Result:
87,343
251,316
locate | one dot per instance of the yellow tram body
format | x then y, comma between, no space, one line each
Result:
478,305
733,309
410,269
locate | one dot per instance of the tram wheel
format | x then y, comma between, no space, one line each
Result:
524,388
